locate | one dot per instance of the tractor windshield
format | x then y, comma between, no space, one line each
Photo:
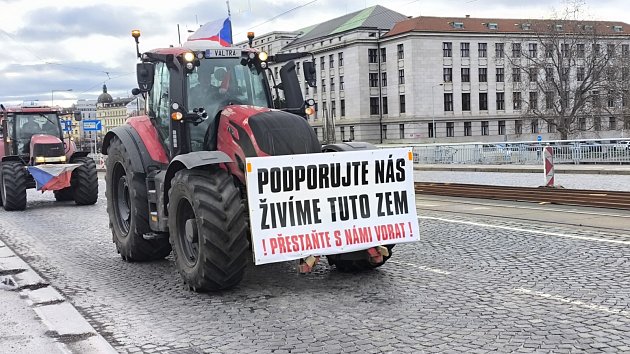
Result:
29,124
218,82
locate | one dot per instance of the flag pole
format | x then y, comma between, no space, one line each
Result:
228,8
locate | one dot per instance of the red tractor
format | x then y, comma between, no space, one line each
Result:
33,141
175,178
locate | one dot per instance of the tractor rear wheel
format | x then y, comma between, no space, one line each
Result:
84,181
63,195
13,185
208,229
356,261
128,208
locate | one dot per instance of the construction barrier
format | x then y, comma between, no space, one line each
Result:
549,173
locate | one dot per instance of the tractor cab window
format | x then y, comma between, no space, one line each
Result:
28,125
159,100
217,83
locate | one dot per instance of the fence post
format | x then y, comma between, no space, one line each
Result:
548,161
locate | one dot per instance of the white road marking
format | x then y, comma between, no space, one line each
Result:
579,303
421,267
535,232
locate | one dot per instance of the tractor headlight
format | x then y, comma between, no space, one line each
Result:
177,116
189,56
263,56
62,158
40,159
263,65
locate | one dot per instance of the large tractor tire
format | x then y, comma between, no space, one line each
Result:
84,181
128,209
356,261
13,185
208,229
64,195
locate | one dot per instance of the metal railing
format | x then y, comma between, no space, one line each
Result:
523,153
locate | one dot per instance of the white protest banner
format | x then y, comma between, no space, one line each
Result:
330,203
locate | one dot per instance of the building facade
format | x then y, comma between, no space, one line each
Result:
383,77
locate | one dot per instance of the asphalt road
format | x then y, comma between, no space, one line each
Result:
471,285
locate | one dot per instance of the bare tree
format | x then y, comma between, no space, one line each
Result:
574,72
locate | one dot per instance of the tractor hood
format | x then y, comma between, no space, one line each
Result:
43,145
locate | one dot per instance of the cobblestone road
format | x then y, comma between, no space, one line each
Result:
574,181
465,287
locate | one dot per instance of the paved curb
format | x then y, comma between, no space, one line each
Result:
63,321
603,170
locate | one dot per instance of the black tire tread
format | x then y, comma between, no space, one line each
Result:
132,247
14,180
63,195
223,235
84,181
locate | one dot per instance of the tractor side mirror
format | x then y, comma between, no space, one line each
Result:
291,86
77,116
310,74
144,72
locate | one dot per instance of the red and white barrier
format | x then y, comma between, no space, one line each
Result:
549,172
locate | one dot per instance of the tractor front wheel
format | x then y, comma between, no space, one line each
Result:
84,181
128,208
13,185
208,229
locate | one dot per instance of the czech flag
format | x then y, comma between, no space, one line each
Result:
52,177
219,31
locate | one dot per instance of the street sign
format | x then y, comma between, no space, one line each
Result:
92,125
67,125
539,138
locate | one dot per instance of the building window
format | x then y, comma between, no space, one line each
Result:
466,101
516,74
500,101
533,50
467,128
383,55
323,85
483,50
564,50
372,56
450,129
448,102
625,50
402,104
373,79
322,63
483,74
465,74
610,50
501,127
384,79
579,50
465,49
448,74
582,123
533,74
611,99
551,128
534,126
401,51
516,50
549,74
518,127
483,101
447,49
341,83
331,61
549,100
499,50
325,107
373,105
351,132
401,76
516,100
597,123
342,107
596,49
332,84
500,74
384,130
385,110
612,123
343,133
340,59
401,131
431,131
533,100
485,127
333,108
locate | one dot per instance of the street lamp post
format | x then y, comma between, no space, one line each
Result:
52,95
433,108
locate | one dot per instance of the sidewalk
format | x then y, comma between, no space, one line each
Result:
561,169
36,318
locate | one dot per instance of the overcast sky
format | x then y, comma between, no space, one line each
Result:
79,45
